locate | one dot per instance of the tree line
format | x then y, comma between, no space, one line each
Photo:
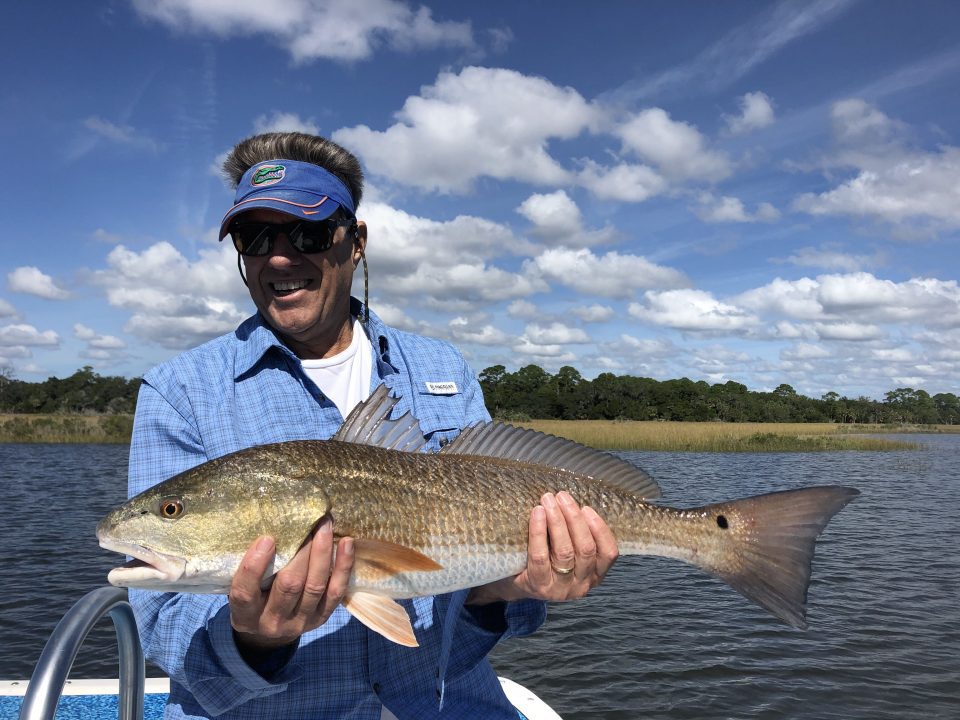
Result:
85,392
533,393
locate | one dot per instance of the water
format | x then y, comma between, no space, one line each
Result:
658,639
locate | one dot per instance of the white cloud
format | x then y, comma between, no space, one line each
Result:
554,334
393,315
892,182
31,281
860,298
756,112
278,121
828,258
122,134
7,310
345,30
624,182
856,122
451,134
804,351
647,348
416,258
94,340
743,48
796,299
609,275
175,303
557,221
903,355
555,352
593,313
523,309
552,214
849,331
466,331
462,283
692,311
713,209
22,334
676,148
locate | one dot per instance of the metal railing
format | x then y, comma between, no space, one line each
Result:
53,668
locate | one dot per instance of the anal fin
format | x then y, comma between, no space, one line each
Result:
383,615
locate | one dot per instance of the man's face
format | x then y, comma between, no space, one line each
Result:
305,297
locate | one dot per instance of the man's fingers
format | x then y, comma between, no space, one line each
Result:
318,567
538,549
287,588
562,554
246,598
339,578
584,546
606,541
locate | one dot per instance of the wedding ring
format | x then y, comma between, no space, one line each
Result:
561,571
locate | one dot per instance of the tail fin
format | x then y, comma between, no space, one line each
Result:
770,545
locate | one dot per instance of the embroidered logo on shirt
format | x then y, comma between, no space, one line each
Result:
447,387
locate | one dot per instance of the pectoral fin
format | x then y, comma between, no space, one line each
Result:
382,615
378,559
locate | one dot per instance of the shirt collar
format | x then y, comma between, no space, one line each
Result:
257,338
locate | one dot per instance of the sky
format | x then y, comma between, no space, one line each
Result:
760,192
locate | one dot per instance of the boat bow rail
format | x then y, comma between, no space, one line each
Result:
53,668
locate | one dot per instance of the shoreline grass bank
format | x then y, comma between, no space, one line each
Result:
21,428
731,437
604,434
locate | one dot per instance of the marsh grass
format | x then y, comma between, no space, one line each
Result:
717,437
65,428
606,434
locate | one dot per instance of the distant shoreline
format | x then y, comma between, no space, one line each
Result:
665,436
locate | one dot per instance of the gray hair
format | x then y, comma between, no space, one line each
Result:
296,146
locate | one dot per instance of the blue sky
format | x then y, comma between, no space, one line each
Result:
760,192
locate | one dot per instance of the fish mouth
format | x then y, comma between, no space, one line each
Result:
148,569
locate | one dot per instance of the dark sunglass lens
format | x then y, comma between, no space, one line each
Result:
253,238
306,237
313,237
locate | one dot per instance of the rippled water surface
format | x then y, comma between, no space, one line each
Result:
658,639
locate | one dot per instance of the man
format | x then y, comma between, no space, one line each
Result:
293,371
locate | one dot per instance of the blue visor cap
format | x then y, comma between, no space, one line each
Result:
300,189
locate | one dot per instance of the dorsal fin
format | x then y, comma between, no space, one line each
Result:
369,423
508,442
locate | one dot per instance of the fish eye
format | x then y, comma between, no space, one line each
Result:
171,508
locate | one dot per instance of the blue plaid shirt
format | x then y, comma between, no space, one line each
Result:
246,388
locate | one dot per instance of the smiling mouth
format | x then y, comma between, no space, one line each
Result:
288,287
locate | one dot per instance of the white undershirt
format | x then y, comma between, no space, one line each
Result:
344,377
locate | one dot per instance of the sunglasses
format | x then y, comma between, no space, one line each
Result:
256,238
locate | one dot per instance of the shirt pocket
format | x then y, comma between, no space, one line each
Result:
441,417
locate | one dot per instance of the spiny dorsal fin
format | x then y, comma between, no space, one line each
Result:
369,423
508,442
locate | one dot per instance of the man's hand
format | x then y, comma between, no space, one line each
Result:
303,594
569,551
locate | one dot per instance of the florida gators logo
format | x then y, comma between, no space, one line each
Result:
268,175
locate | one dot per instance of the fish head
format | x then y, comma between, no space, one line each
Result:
190,533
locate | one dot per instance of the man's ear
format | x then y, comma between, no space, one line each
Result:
359,241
